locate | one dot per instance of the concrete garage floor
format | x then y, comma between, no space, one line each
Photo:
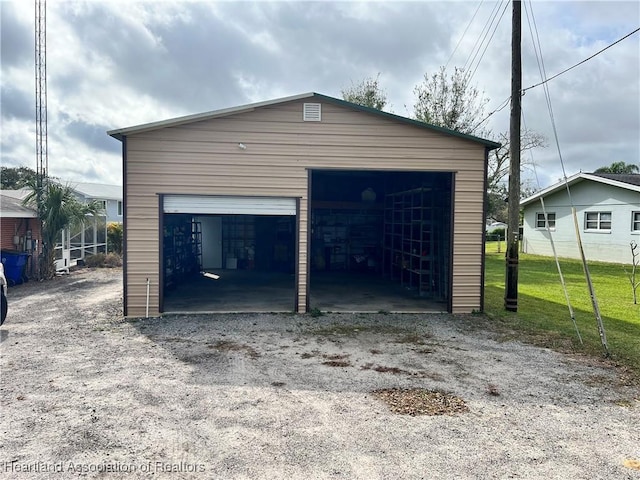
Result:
234,291
252,291
359,292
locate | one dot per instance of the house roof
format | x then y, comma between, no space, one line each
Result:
173,122
11,207
628,182
632,178
98,190
88,190
18,193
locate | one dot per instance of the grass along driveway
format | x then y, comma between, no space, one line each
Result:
543,316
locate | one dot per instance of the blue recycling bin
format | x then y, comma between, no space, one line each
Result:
14,265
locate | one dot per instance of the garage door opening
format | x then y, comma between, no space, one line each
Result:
381,241
228,262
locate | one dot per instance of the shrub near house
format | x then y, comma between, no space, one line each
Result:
115,233
496,234
100,260
495,231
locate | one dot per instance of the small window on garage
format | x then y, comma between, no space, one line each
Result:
540,221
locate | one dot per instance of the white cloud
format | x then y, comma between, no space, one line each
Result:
113,64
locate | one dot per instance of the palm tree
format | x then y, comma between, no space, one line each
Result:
619,167
58,209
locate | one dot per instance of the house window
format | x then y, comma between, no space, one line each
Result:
597,221
102,204
635,222
119,208
540,223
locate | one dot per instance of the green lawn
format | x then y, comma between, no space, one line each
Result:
543,316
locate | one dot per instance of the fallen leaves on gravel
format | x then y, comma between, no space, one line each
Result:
336,360
336,363
383,369
418,401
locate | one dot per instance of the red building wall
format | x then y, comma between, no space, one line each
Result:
10,227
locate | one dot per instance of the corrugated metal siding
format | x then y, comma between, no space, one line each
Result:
467,239
205,158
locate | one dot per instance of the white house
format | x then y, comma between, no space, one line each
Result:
90,238
493,225
110,196
608,217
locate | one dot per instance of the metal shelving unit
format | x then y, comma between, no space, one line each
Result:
411,227
182,250
347,236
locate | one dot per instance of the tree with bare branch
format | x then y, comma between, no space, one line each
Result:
367,93
450,101
498,171
635,261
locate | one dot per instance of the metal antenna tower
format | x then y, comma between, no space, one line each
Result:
42,157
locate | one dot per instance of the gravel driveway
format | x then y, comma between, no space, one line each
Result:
86,394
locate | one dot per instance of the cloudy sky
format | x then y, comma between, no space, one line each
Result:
113,64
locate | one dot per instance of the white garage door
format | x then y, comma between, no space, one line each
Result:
204,205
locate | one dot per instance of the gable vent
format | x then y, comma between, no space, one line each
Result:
312,112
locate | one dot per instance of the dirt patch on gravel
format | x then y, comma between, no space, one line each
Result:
418,401
87,393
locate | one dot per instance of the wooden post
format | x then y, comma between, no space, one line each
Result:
513,225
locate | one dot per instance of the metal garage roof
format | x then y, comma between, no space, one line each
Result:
173,122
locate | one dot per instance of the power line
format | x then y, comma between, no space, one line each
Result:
463,34
483,36
594,300
537,47
468,75
495,28
501,107
543,69
583,61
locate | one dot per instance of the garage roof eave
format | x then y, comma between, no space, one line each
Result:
491,145
120,133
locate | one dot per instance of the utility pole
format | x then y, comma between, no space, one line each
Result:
42,159
513,225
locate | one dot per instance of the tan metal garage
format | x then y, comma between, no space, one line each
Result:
306,193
